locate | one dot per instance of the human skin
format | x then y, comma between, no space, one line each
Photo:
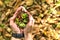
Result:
28,36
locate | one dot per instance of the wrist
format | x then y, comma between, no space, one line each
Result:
17,32
29,36
16,35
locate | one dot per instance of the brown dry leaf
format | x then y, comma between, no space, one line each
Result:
49,1
1,3
1,29
38,20
17,4
1,38
29,2
9,29
7,35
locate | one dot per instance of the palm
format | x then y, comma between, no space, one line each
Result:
13,24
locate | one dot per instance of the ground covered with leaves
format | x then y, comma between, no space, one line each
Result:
46,14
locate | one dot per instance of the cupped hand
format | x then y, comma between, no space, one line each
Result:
28,26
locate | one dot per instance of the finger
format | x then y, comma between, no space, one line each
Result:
21,30
14,27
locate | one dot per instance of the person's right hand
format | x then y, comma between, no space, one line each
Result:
28,29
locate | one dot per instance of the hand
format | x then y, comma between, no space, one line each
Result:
28,26
14,27
28,29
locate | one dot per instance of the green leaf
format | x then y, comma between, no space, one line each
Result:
58,25
22,25
24,15
7,1
17,19
50,11
25,20
2,25
58,3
